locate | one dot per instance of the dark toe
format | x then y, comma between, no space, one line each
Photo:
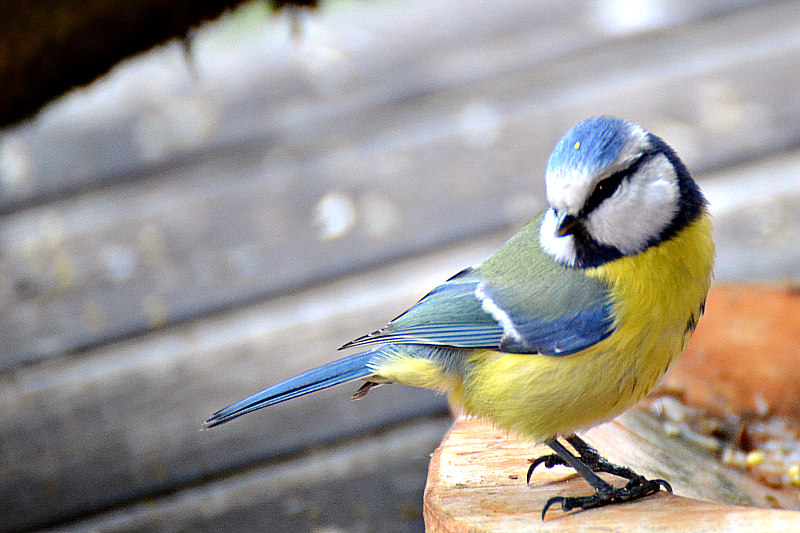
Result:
549,461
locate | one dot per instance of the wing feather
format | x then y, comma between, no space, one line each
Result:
538,307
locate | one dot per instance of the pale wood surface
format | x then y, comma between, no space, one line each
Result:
476,482
163,246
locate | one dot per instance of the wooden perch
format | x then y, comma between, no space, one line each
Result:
476,482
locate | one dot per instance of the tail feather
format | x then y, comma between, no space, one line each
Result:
334,373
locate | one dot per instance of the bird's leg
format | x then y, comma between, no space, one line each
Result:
586,465
588,456
598,463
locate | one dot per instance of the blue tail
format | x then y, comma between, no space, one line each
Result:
345,369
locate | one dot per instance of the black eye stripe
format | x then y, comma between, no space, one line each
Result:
607,187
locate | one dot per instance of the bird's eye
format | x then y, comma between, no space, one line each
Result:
604,190
607,187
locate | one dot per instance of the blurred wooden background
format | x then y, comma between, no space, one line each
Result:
186,231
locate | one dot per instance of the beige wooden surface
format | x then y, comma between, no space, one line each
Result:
170,241
477,483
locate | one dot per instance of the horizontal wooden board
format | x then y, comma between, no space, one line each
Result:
382,180
477,484
757,208
373,483
122,421
252,82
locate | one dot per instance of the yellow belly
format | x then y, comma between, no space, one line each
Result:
657,295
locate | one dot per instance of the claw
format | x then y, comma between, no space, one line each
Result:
555,499
549,461
589,462
660,483
634,490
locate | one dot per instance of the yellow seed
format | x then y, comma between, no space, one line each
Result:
794,475
754,458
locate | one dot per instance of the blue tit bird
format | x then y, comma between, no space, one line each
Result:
570,322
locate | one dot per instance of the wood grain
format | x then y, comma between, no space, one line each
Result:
740,359
476,482
284,96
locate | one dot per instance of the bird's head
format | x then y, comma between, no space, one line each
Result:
614,189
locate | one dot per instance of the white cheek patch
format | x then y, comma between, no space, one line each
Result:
562,249
640,210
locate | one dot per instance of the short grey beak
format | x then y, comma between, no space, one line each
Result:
566,225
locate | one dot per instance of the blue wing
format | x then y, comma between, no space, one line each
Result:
535,306
449,315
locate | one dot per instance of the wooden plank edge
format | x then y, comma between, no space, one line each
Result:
476,482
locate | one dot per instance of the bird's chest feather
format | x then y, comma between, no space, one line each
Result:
658,297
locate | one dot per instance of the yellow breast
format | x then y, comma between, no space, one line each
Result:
657,296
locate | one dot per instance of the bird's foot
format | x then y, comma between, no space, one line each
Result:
588,456
635,489
586,464
549,461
